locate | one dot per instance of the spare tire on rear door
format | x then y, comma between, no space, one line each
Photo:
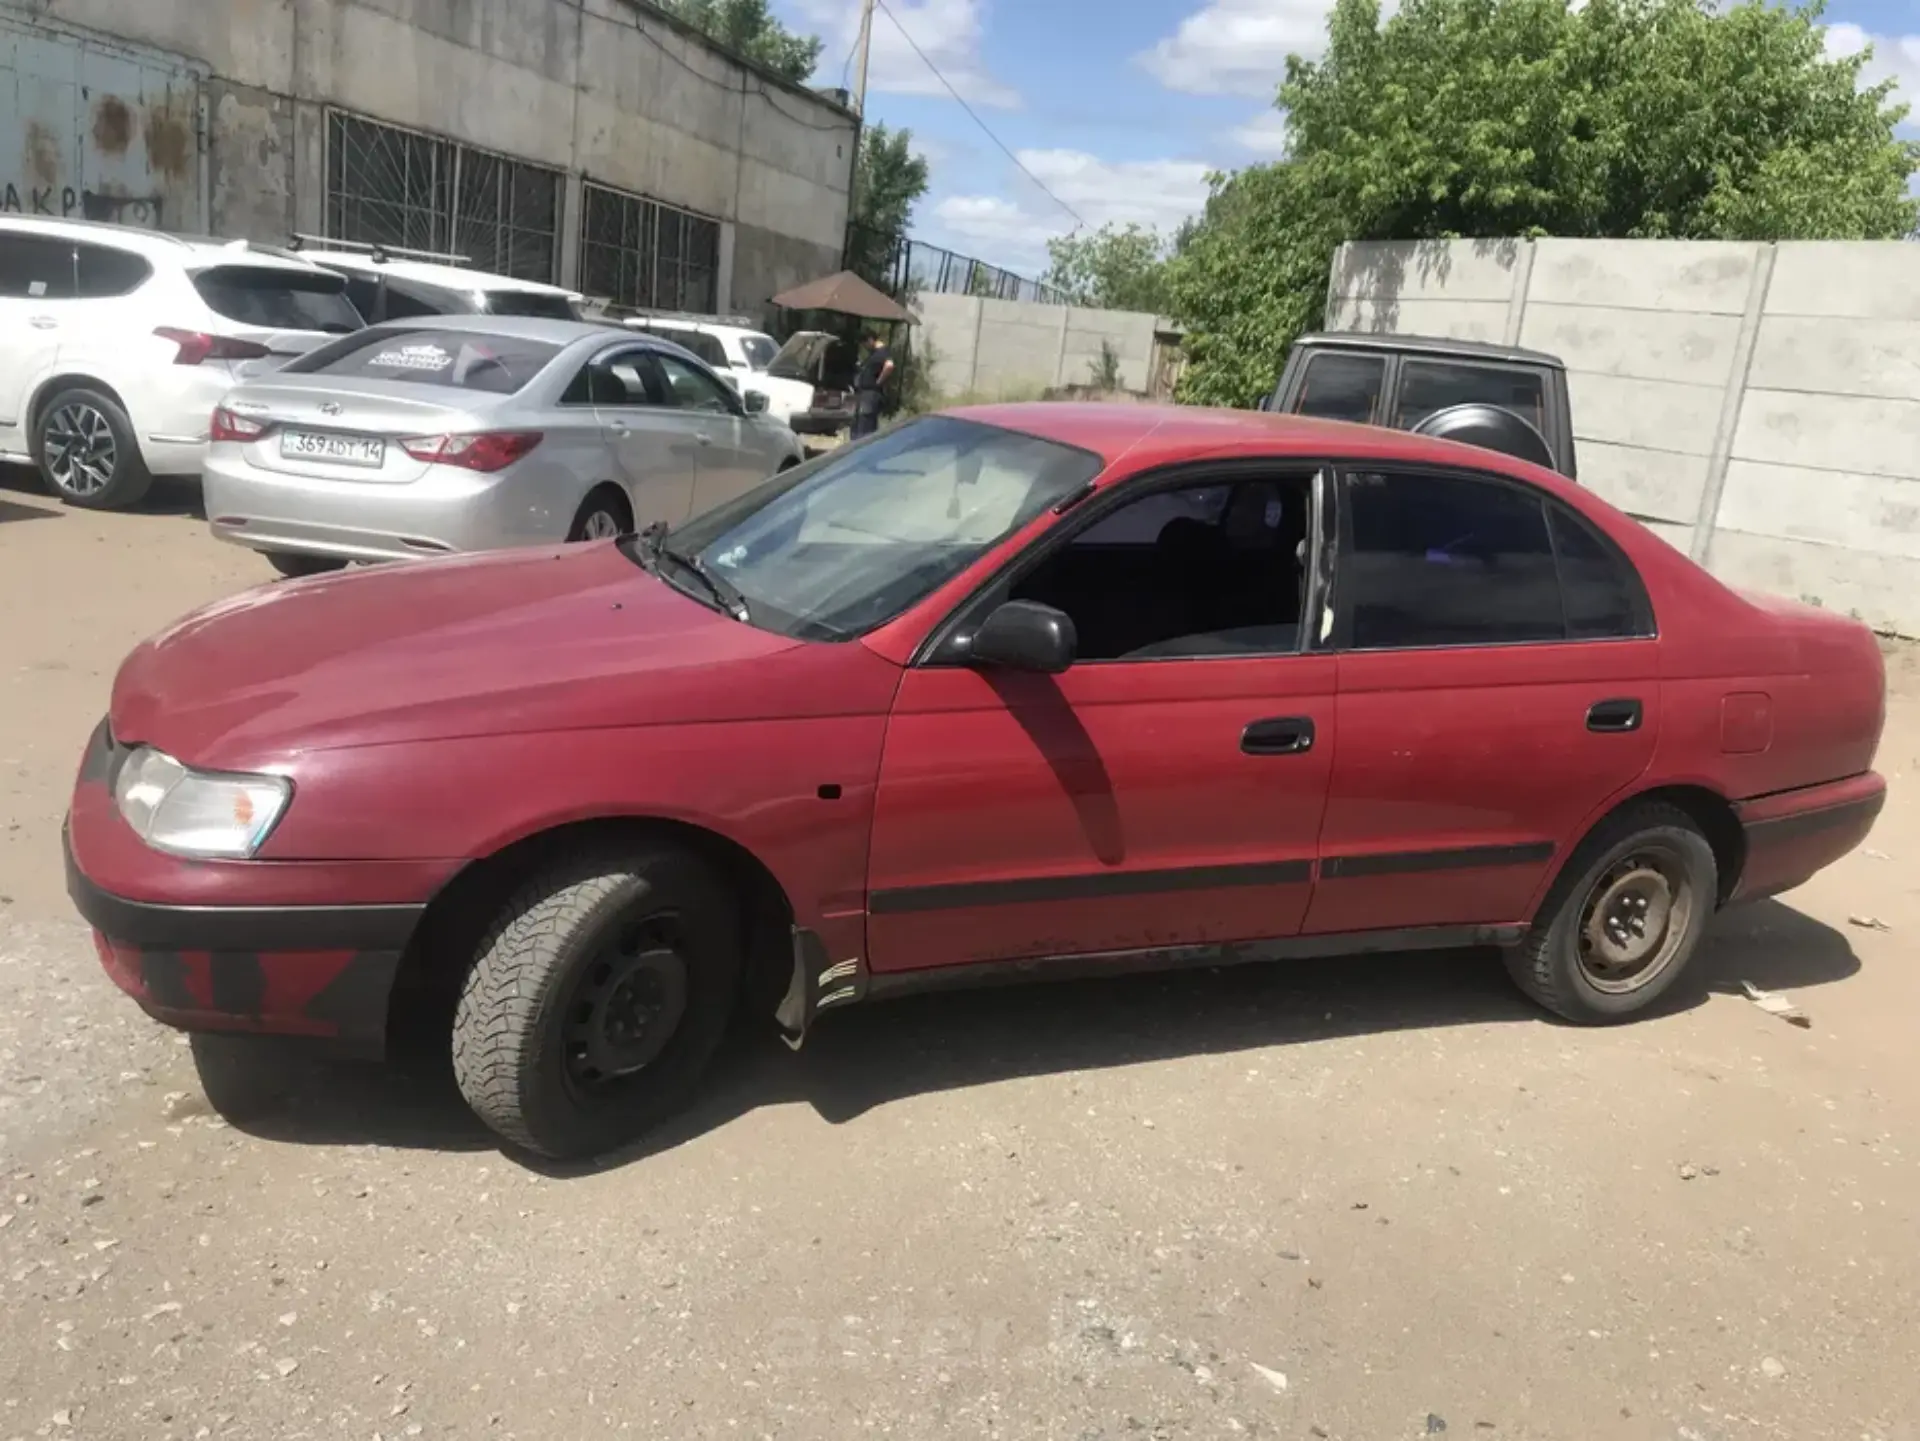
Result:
1491,428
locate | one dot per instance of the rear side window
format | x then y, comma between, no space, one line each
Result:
523,302
1599,587
458,360
104,273
1430,385
277,299
1342,387
1435,560
36,267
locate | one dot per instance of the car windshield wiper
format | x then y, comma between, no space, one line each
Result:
722,589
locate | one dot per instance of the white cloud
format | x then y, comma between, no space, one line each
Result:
1014,232
947,30
1238,47
1895,57
1265,134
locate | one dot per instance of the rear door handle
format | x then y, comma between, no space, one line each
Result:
44,322
703,439
1623,714
620,430
1278,736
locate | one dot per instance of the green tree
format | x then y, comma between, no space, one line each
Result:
887,184
1491,118
1114,267
748,28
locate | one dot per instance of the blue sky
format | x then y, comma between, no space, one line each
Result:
1121,106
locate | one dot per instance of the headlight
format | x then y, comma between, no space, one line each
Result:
192,813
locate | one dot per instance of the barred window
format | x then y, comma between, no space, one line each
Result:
640,253
390,186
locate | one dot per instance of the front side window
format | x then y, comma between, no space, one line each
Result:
276,299
1430,385
759,350
1342,387
456,359
1439,560
36,267
1205,571
849,540
690,389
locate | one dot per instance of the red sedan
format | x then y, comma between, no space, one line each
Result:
1021,690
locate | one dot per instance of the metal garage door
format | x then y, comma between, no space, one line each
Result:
95,129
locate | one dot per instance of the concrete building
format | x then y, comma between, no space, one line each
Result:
1756,404
599,143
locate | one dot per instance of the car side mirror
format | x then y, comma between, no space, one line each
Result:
1025,635
756,402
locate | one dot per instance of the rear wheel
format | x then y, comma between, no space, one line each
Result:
604,515
293,565
87,452
597,1000
1623,919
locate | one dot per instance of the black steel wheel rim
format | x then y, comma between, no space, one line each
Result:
626,1004
1634,919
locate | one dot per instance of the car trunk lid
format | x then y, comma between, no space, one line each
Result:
345,429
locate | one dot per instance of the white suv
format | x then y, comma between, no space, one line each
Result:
116,344
738,354
395,284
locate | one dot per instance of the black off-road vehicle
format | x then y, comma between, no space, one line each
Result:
1495,396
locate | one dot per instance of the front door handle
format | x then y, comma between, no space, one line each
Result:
1288,735
44,322
703,439
1624,714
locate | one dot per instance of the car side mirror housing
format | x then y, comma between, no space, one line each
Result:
1025,635
756,402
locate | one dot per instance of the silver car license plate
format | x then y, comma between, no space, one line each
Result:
340,449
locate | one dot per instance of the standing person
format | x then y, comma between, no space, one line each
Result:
870,387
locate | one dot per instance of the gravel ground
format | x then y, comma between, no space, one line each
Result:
1360,1199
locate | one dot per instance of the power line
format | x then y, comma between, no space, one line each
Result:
975,117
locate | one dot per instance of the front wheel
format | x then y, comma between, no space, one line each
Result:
87,452
293,565
597,1000
1623,919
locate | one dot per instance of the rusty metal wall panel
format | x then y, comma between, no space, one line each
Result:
95,129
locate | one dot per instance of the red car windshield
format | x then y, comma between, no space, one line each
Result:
846,542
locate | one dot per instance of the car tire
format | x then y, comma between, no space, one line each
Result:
1623,918
597,999
87,452
293,565
604,515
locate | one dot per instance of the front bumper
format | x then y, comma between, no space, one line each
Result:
252,946
324,972
319,971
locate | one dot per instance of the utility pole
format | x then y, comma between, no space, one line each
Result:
865,48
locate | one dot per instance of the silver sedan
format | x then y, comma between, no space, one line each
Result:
457,433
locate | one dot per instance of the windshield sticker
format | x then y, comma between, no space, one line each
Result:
413,357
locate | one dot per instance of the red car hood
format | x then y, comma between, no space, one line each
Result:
568,638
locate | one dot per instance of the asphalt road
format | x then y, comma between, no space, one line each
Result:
1356,1199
